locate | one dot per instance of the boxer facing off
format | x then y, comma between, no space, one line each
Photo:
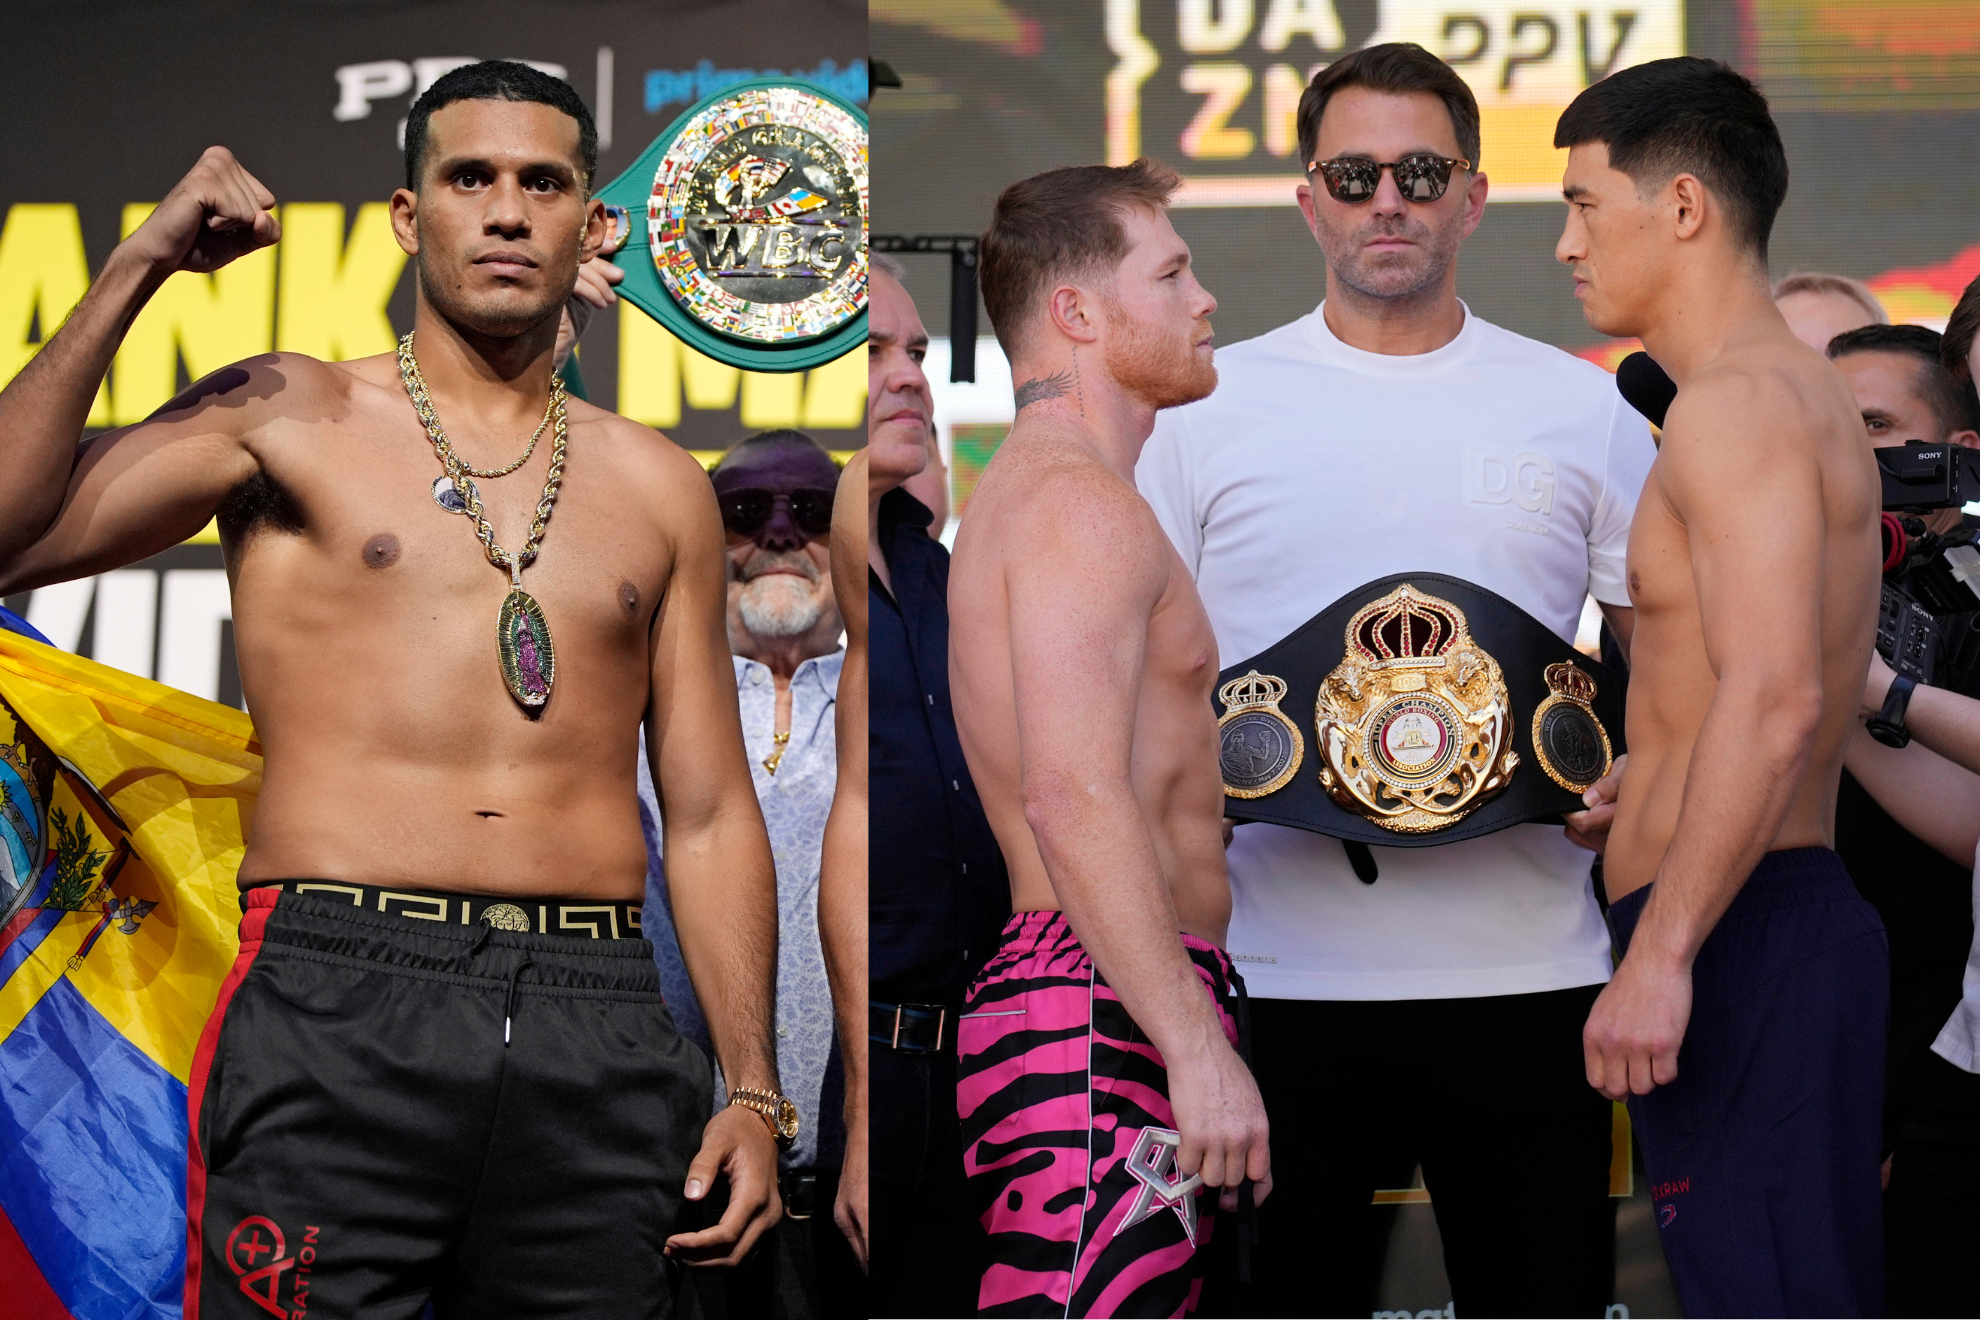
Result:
1082,664
1746,1021
443,1053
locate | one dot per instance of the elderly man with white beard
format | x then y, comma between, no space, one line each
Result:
775,490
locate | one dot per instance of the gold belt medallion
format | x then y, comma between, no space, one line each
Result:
1259,749
1571,744
1415,722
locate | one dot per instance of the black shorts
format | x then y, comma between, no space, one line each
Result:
1763,1153
365,1139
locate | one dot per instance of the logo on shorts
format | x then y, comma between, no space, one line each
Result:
1662,1196
505,916
1152,1163
258,1252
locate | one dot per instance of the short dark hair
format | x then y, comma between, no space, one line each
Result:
1695,116
499,80
1961,328
1955,408
1061,222
1398,68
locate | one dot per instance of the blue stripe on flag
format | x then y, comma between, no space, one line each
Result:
42,920
93,1160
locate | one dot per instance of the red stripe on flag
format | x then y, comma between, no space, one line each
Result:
261,902
28,1295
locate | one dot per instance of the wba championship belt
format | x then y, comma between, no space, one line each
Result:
1441,711
742,228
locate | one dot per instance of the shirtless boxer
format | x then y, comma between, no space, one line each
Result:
1746,1022
424,1066
1082,665
842,865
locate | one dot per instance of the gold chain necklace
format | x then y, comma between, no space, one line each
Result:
522,637
776,758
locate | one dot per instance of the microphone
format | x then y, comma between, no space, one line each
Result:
1645,386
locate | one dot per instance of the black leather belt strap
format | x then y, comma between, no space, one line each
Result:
911,1028
1522,646
808,1192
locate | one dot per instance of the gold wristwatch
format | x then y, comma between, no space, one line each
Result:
778,1110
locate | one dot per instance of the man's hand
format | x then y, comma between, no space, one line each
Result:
216,213
1222,1122
1590,829
1630,1044
594,283
595,279
737,1143
1876,685
849,1211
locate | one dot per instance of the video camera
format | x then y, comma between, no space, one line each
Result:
1928,622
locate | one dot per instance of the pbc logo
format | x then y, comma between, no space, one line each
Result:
258,1252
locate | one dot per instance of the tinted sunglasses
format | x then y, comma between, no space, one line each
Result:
745,511
1354,179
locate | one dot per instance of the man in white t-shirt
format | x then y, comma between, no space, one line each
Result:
1434,1015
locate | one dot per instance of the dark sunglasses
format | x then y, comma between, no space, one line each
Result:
1354,179
745,511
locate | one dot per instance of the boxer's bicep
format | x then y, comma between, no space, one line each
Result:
1746,485
1080,595
694,726
146,487
849,551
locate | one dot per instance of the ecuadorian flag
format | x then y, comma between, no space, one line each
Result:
123,810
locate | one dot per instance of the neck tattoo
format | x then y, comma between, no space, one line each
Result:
522,637
1037,389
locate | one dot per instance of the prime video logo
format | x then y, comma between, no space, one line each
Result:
665,87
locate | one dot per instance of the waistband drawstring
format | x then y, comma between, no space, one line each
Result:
509,1007
509,1002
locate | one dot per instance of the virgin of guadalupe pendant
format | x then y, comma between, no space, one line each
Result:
529,663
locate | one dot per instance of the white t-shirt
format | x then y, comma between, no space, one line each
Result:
1959,1040
1317,467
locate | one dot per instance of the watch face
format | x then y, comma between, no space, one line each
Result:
787,1118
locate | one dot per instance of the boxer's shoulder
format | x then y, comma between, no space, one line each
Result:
1769,396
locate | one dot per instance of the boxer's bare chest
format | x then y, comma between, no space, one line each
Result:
353,561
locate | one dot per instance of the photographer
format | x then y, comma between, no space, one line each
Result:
1931,1219
1897,812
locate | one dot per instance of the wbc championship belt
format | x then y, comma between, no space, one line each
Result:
742,228
1441,711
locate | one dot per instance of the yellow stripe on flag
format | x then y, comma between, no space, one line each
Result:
182,774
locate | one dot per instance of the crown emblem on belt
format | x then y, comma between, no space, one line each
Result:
1415,722
1259,747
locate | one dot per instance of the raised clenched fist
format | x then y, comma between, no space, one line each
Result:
216,213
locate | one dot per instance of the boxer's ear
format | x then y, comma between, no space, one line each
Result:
1067,307
405,220
1690,202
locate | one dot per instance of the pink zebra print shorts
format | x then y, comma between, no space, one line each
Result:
1069,1138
